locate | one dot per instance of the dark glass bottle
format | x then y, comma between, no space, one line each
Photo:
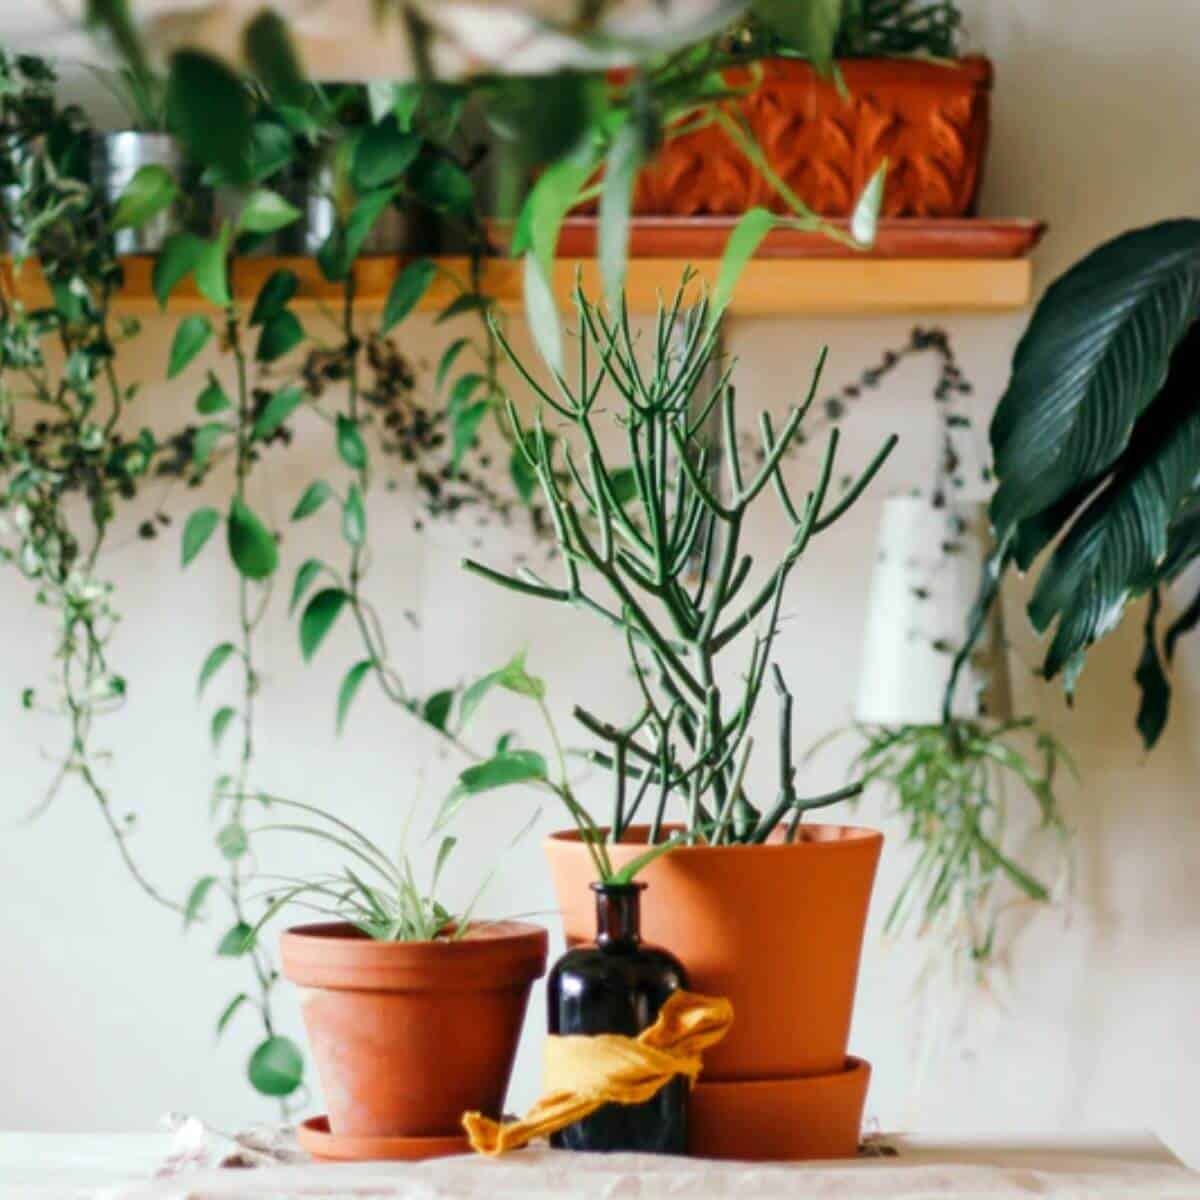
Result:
618,985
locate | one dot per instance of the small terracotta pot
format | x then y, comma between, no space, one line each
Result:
819,1116
929,120
776,928
407,1036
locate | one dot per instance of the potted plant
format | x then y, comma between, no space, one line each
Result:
413,1012
735,899
814,119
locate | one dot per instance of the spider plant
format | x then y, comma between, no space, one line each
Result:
631,561
376,892
950,784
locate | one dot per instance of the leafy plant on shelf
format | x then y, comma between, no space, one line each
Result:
950,784
691,741
66,463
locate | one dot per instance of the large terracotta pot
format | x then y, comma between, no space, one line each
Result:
776,928
407,1036
929,120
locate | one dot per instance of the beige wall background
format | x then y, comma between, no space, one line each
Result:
108,1010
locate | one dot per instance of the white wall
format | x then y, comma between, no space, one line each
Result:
106,1012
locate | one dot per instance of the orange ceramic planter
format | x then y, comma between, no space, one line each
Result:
819,1116
407,1036
929,120
776,928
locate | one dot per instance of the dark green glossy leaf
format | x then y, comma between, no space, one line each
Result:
196,532
276,1068
176,260
436,710
318,618
270,53
278,409
383,154
1092,360
151,190
410,285
349,689
218,656
191,336
314,496
441,183
210,109
251,544
211,270
367,210
1151,679
274,295
282,333
351,448
213,399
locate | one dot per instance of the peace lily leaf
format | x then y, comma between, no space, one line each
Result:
276,1068
747,235
501,770
194,904
1116,546
176,260
383,154
151,190
266,211
229,1010
196,532
220,723
411,284
278,409
251,544
1151,678
349,689
306,575
274,295
351,447
616,198
210,109
314,496
237,940
354,517
213,398
218,656
1093,358
864,221
190,338
318,617
283,332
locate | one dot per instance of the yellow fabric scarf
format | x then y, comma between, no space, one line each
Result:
582,1073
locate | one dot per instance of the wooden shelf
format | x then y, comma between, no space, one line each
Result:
768,286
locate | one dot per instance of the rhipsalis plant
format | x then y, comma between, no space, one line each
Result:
631,562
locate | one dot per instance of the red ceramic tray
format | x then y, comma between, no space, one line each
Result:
901,237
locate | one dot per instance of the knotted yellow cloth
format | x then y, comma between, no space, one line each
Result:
581,1073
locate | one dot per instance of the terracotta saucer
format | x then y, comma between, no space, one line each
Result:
314,1136
756,1120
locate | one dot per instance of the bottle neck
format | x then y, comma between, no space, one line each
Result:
618,913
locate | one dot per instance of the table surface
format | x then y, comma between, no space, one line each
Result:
119,1165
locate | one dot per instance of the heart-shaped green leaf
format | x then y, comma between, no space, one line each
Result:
251,544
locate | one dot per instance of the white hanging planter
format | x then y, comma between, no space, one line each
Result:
926,575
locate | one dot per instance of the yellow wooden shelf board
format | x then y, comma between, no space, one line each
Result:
767,287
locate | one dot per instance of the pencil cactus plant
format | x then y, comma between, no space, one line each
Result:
652,548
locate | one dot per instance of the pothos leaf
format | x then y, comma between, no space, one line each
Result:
176,260
314,496
237,941
318,617
217,657
194,904
306,575
411,284
210,109
350,445
501,770
151,190
354,517
220,723
274,295
251,544
197,531
349,689
191,336
280,334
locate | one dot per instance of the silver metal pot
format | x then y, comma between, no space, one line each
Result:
116,159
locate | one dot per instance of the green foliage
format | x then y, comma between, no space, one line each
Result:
152,189
251,544
950,784
199,528
276,1067
349,689
266,211
191,336
318,618
1096,441
210,110
411,284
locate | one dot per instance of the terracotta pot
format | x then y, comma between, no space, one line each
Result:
776,928
407,1036
819,1116
929,120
